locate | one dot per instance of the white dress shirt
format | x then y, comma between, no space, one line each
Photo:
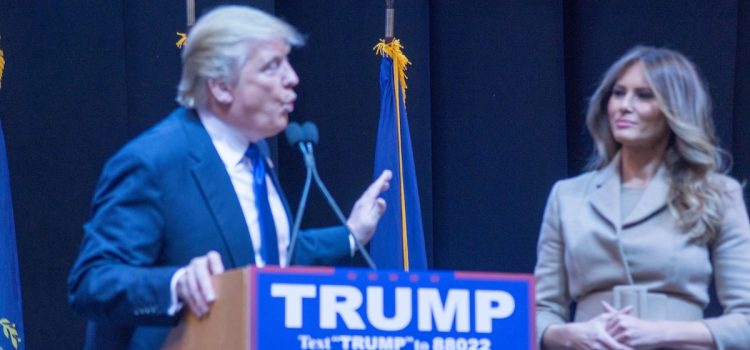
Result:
231,146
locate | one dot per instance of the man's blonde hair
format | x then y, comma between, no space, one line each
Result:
219,45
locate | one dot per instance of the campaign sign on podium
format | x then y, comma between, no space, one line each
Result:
358,309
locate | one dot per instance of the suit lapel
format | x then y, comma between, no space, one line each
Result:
606,197
216,186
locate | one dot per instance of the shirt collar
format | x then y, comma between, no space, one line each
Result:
229,143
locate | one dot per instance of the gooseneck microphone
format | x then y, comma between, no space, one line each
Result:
305,145
295,136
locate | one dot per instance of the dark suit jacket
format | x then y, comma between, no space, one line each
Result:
162,200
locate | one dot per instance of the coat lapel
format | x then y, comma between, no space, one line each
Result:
606,197
216,186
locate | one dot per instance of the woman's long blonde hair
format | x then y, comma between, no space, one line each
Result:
693,153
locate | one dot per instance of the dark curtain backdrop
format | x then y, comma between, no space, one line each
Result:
496,96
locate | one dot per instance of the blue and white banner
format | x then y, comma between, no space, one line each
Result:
358,309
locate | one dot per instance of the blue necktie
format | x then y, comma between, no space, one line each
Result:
268,242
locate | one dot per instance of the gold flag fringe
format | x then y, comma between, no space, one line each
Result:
2,68
393,51
181,42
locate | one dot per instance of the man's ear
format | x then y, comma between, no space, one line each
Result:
220,91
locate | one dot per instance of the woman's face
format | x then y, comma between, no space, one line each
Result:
634,115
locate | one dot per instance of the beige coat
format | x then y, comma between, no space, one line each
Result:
584,249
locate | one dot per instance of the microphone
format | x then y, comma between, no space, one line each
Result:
294,133
311,136
295,136
311,132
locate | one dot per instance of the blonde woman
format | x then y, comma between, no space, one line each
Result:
636,242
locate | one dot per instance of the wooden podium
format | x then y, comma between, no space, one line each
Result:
226,325
351,308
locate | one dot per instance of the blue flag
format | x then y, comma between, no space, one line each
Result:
11,315
399,240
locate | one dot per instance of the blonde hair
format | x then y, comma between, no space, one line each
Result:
219,45
693,153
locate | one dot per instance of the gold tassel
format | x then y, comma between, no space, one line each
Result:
2,67
181,42
393,51
190,11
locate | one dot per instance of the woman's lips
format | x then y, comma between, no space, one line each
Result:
624,123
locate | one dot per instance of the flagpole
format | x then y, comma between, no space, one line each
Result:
389,16
399,242
398,98
190,5
190,13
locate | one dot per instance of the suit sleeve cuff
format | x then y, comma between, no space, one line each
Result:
352,246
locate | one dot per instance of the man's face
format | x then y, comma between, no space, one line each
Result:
263,97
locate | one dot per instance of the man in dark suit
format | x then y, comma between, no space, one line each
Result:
197,193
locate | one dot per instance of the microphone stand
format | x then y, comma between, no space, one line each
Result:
334,206
303,137
301,206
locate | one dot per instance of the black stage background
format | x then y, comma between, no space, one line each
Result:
496,96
